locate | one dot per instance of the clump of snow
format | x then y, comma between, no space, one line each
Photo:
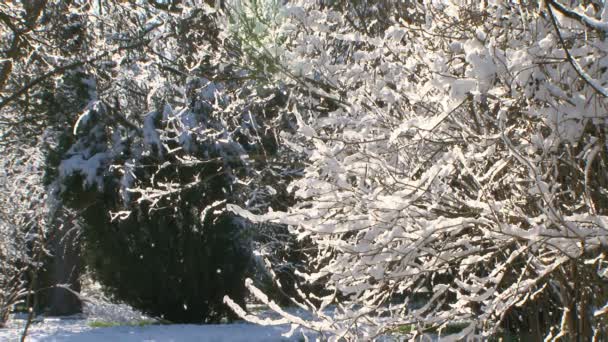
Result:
89,168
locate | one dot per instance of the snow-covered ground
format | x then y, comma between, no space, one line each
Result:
126,327
79,330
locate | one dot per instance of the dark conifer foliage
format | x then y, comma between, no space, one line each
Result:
168,263
176,254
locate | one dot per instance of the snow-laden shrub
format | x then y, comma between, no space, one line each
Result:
28,89
22,225
456,165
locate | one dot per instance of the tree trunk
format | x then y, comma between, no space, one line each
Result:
66,267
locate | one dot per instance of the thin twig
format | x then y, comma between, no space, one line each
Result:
577,68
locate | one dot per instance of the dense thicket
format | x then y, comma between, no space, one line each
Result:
145,143
456,164
22,222
436,161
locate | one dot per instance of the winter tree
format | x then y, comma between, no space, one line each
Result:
146,113
456,164
22,225
24,209
171,132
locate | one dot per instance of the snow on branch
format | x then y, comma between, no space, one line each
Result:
588,21
577,67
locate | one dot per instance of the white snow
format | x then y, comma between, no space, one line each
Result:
87,167
55,329
126,328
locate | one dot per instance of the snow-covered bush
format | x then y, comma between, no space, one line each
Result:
22,225
456,164
25,79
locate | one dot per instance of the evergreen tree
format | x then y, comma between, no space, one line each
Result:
155,232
